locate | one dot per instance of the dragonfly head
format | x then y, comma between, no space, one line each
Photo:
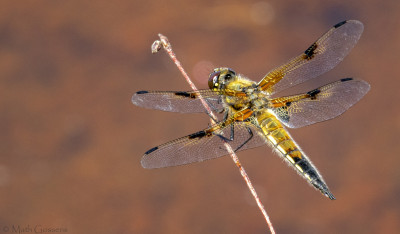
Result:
220,77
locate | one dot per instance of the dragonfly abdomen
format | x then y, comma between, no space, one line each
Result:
287,148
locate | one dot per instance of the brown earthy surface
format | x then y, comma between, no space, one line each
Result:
71,141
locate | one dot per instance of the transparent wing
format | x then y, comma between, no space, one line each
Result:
320,104
203,145
320,57
175,101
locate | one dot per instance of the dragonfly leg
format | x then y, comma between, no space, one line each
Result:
248,139
213,108
219,112
232,137
209,115
226,115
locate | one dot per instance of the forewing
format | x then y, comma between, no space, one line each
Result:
203,145
320,57
177,101
320,104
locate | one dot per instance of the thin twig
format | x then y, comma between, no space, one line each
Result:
164,43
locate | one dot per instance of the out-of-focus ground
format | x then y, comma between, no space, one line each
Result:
71,141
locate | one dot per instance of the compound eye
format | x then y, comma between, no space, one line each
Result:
231,72
213,79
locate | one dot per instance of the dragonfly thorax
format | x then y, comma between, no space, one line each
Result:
238,92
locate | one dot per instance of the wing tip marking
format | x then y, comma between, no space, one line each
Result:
346,79
197,135
151,150
340,24
313,93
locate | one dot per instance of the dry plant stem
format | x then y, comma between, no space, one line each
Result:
164,43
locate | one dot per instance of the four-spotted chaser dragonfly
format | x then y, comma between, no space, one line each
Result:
252,117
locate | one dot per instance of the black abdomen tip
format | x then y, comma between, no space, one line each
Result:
330,195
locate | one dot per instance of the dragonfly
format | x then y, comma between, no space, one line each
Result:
250,114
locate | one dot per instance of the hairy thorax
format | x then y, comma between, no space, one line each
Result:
250,96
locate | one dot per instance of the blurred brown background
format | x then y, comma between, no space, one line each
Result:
71,141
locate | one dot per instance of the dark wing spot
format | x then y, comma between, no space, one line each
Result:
310,52
197,135
340,24
346,79
141,92
288,103
313,93
185,94
151,150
